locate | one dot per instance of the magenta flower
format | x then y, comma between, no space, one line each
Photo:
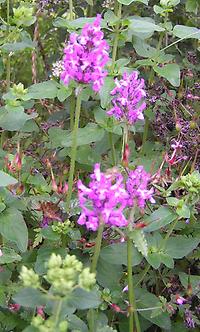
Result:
128,104
137,187
85,56
105,199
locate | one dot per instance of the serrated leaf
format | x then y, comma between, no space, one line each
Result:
139,241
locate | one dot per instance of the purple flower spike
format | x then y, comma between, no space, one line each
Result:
128,104
137,187
105,199
85,56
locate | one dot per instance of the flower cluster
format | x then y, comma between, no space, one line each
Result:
128,104
105,199
85,56
137,187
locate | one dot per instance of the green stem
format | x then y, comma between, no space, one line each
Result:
112,145
73,150
145,134
72,109
97,247
57,313
71,15
91,316
133,315
116,39
8,57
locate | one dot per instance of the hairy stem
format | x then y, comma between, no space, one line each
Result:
73,149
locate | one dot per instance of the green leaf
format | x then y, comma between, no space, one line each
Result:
182,31
9,256
128,2
154,259
194,280
87,156
13,228
142,25
180,246
89,134
14,119
108,275
104,92
76,324
30,297
159,218
192,6
81,299
117,254
105,329
170,71
18,46
147,300
44,90
139,241
6,179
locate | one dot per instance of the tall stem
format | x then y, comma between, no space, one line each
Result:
133,315
91,316
8,58
112,145
73,149
97,247
72,110
116,39
71,16
57,313
145,134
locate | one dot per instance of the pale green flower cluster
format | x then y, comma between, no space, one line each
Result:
48,325
64,275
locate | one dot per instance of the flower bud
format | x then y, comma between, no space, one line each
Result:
29,277
87,279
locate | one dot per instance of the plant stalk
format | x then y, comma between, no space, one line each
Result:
8,57
97,247
73,149
112,145
91,316
71,15
116,39
133,315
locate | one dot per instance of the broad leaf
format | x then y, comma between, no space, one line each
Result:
89,134
180,246
13,228
48,90
182,31
170,71
81,299
30,297
159,218
139,241
117,254
6,179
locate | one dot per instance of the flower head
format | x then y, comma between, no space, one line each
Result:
105,199
128,104
85,56
137,187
